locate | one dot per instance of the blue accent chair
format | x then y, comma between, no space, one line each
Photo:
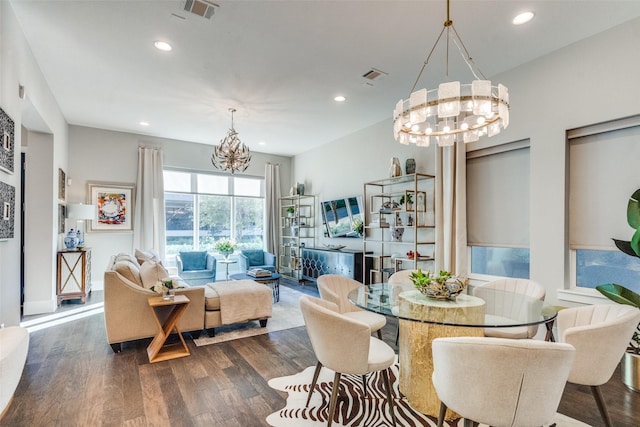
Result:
256,258
196,267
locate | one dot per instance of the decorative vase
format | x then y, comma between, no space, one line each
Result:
410,166
300,188
396,233
395,169
71,241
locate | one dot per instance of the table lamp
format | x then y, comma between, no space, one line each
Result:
81,212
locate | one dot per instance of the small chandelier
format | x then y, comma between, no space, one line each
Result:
452,112
231,154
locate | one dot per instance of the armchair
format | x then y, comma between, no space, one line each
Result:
256,258
196,267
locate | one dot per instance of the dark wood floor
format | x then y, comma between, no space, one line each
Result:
72,378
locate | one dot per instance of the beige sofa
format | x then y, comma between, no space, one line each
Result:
14,346
128,316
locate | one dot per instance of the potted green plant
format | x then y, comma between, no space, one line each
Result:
630,365
358,226
291,211
409,200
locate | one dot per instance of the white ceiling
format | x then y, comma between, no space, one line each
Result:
279,63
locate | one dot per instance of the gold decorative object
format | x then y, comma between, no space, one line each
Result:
439,286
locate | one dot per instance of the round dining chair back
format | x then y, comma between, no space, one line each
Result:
513,299
401,277
600,334
336,288
501,382
344,345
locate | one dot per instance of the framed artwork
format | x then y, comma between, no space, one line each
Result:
8,142
115,206
62,215
419,200
8,207
62,185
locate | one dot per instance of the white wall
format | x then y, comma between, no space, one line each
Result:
97,155
589,82
18,67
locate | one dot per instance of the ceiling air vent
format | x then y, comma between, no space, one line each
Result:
373,75
203,8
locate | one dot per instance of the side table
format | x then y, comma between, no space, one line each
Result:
74,275
157,350
226,262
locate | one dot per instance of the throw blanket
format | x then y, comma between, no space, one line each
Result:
242,300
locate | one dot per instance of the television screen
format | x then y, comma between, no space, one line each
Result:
339,215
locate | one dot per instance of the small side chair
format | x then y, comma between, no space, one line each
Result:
336,288
344,345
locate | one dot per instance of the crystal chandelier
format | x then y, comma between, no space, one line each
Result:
231,154
454,111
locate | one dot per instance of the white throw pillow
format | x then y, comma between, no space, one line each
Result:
151,272
149,255
129,270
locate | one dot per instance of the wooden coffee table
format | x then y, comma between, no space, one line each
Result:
273,281
157,350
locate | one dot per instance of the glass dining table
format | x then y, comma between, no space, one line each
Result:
422,319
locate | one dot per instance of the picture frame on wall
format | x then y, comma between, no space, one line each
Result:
8,206
115,206
7,134
62,185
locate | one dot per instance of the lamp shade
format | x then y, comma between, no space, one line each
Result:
81,211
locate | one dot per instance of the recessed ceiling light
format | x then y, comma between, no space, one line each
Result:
163,46
340,98
144,123
523,18
262,143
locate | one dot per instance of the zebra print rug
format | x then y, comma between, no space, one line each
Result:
353,408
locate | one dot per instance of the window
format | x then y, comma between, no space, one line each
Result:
202,208
603,174
498,210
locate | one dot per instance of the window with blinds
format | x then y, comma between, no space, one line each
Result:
498,210
603,173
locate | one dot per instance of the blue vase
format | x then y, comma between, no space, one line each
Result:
71,241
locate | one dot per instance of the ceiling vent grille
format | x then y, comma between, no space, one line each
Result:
203,8
374,74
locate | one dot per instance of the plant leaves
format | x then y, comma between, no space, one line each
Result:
625,247
635,242
619,294
633,210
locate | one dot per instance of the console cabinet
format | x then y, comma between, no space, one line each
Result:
345,262
74,275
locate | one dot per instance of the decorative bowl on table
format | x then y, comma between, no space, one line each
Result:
335,247
439,286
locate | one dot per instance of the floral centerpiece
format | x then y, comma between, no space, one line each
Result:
226,246
164,286
438,286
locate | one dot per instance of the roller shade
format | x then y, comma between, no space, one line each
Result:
498,196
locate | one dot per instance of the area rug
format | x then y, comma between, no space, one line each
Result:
353,408
285,315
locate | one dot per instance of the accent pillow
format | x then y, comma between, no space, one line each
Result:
123,256
194,260
130,270
255,256
151,272
149,255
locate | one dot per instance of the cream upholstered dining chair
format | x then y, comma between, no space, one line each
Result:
344,345
336,288
600,333
508,303
526,378
399,281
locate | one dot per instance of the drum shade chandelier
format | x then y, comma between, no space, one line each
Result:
231,155
454,111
